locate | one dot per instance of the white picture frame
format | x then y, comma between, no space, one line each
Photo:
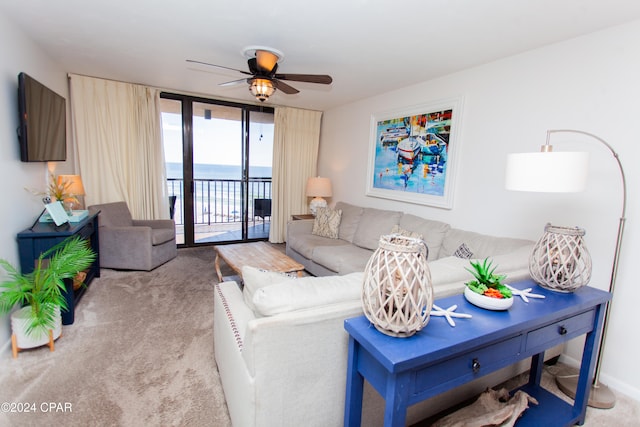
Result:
57,213
413,153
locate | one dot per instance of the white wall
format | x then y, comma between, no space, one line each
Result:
19,208
590,83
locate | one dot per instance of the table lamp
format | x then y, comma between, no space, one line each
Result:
549,171
318,187
73,186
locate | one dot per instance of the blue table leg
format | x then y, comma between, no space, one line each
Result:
535,373
355,384
396,399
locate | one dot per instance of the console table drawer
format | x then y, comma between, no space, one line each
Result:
476,362
560,331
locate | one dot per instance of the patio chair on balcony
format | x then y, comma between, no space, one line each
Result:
262,209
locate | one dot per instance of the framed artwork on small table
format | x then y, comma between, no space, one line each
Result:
57,213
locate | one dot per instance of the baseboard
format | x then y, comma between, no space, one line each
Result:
612,383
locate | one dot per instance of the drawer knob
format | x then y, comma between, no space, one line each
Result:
562,330
475,365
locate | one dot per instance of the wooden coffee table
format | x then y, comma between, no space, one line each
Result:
256,254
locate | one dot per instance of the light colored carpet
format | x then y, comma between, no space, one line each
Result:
141,353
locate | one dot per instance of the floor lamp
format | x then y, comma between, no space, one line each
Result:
549,171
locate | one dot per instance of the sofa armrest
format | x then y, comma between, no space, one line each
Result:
287,353
230,316
231,313
155,223
301,226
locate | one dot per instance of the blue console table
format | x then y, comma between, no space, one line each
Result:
406,371
42,236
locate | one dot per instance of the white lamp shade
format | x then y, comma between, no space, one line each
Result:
550,172
319,187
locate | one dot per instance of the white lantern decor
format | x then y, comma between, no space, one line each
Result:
397,294
560,261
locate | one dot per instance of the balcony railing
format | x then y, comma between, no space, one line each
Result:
218,201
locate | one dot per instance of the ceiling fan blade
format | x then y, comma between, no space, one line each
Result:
266,60
193,61
309,78
289,90
233,82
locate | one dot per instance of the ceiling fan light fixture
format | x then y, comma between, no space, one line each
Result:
262,89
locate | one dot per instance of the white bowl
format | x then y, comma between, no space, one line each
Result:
487,302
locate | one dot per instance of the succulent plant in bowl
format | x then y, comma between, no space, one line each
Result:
486,290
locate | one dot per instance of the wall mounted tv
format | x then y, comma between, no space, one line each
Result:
43,123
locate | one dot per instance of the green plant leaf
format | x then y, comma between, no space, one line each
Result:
484,273
43,289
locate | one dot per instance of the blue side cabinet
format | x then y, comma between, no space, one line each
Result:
406,371
43,236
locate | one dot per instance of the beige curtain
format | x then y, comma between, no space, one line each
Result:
295,155
117,131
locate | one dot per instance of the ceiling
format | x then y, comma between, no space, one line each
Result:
367,46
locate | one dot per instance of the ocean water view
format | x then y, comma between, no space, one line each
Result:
210,171
218,201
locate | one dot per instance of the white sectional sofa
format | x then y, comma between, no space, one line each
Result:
280,344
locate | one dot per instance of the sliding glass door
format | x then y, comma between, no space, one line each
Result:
219,169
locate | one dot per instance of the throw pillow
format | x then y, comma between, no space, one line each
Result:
256,278
327,223
463,252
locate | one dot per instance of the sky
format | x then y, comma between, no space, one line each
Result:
217,141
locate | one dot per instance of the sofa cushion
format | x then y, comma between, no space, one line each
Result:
256,278
342,259
306,244
449,270
482,246
373,224
449,274
307,292
327,223
433,232
350,218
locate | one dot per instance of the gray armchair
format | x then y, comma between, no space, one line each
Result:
131,244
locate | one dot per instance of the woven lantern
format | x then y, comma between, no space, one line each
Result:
397,294
560,261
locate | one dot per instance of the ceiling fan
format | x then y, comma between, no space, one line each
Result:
264,80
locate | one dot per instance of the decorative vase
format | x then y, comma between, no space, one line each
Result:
397,294
20,339
560,261
486,302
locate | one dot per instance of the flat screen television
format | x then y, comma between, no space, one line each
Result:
43,123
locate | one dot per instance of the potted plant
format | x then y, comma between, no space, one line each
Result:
41,292
487,289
